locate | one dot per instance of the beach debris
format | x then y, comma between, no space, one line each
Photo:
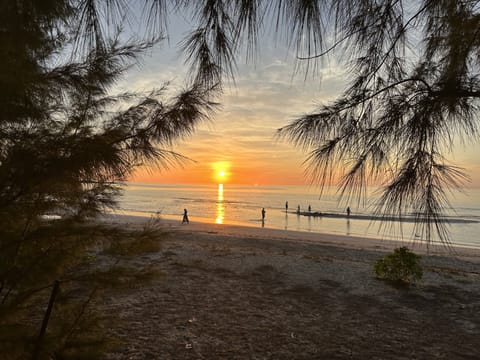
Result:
193,319
188,346
292,335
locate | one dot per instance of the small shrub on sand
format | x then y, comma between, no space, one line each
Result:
400,267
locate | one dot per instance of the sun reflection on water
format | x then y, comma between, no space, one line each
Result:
220,206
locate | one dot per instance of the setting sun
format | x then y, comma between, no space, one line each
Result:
221,171
221,176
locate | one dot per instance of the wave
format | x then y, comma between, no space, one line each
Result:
213,201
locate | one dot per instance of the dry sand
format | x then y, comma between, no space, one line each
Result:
230,292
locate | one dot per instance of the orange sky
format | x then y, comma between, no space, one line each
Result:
241,135
237,173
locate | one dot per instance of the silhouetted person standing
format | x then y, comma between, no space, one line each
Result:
298,209
185,217
286,206
348,211
263,214
309,208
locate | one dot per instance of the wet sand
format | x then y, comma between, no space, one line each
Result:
231,292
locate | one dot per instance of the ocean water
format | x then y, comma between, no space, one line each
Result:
242,205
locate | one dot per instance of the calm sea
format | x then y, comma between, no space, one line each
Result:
242,205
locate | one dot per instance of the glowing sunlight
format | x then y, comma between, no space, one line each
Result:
220,207
220,170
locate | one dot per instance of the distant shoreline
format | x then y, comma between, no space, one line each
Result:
345,241
242,206
379,218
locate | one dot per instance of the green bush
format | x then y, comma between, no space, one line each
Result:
401,267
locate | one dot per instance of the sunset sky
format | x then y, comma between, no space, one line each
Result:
239,141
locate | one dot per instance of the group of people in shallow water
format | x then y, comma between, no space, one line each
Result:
309,209
185,213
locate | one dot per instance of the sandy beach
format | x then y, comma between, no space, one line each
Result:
232,292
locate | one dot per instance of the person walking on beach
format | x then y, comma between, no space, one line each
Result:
263,214
309,208
298,209
185,217
348,211
286,206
